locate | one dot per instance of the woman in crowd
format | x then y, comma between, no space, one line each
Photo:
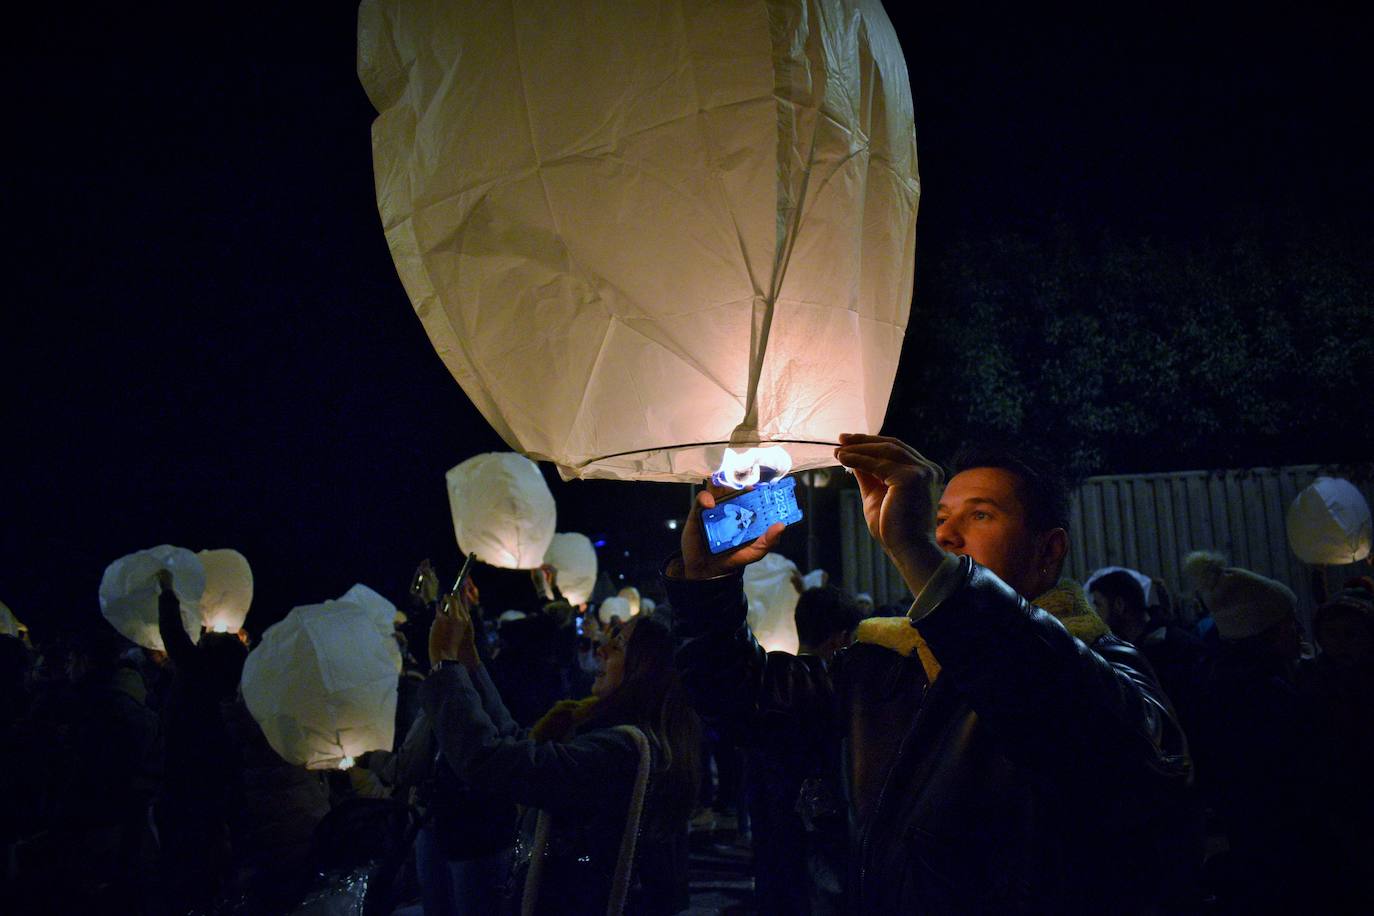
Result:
613,777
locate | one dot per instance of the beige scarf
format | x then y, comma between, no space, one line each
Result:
1065,601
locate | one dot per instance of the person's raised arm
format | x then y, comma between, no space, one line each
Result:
722,664
175,639
452,638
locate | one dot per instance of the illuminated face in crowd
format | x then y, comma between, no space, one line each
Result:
610,656
981,515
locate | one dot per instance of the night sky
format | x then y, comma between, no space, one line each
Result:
208,344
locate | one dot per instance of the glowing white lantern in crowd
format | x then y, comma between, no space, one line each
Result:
9,624
640,233
772,596
614,606
129,593
502,510
322,683
574,557
631,596
1329,523
228,590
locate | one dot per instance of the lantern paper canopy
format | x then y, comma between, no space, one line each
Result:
773,602
322,683
1329,523
129,593
228,590
574,557
502,510
639,233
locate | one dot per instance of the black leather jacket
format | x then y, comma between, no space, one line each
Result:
1035,775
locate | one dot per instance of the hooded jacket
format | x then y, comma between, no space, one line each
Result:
1025,771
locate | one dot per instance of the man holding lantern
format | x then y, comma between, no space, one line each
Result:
1000,755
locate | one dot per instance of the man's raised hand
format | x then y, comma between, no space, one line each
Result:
900,489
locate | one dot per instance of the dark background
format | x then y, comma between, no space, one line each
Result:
205,342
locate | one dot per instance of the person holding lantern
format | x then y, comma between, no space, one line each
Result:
613,777
1001,754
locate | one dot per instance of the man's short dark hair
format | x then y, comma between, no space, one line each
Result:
1123,586
823,612
1042,490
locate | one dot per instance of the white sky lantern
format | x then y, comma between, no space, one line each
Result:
9,624
640,233
502,510
129,593
322,683
228,590
615,606
772,602
574,557
1329,523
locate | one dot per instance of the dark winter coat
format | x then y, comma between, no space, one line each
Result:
1036,774
584,783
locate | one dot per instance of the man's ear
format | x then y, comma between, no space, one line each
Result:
1054,547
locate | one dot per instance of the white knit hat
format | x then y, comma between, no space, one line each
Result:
1242,603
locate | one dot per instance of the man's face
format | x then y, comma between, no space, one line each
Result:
981,516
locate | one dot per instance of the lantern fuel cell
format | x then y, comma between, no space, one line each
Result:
738,520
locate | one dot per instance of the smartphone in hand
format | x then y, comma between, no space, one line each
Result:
741,518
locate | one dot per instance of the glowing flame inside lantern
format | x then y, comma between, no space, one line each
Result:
752,466
221,628
345,763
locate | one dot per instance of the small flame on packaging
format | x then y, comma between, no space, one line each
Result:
752,466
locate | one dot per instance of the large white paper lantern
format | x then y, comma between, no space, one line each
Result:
228,590
574,557
1329,523
129,593
638,232
502,510
772,597
322,683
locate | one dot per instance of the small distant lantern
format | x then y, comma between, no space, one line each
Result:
1329,523
631,596
9,624
322,683
574,557
228,590
772,596
502,510
129,593
673,236
614,606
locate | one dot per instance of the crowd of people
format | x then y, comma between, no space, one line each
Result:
1009,742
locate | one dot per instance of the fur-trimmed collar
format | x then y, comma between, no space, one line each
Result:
562,720
1066,601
